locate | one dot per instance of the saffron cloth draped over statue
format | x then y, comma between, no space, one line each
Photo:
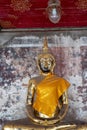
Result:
48,92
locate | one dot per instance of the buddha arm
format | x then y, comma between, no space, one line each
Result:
30,94
64,108
65,98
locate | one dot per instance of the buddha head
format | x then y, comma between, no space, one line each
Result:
46,61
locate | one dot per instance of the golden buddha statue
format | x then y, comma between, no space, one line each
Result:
47,101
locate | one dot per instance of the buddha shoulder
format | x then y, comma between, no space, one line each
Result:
35,80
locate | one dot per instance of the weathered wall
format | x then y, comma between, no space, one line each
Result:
18,54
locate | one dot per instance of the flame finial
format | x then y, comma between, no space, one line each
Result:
45,46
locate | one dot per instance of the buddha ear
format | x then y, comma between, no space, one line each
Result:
53,62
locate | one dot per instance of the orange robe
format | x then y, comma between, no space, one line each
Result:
48,92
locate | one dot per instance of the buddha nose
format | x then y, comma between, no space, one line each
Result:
46,64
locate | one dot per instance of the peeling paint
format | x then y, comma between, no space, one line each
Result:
18,65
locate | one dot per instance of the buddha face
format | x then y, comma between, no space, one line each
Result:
46,64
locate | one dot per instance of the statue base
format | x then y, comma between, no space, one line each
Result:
27,124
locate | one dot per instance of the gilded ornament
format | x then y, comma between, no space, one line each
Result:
20,5
81,4
6,24
12,16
